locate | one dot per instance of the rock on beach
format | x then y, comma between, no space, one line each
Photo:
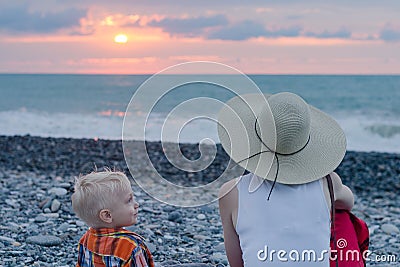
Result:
44,240
39,228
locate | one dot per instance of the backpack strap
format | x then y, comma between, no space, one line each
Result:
332,197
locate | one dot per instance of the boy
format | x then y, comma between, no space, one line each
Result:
105,201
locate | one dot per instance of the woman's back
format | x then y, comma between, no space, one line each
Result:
290,229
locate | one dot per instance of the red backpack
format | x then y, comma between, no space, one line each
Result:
349,236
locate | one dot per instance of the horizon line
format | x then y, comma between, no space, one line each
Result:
150,74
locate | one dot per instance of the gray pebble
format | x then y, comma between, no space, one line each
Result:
64,185
220,247
40,218
52,215
150,210
6,239
80,223
13,203
29,260
169,237
149,232
201,216
14,227
153,226
63,227
201,237
151,247
44,240
15,252
58,191
207,209
390,228
219,257
46,204
175,216
55,205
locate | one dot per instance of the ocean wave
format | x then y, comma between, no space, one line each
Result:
363,133
73,125
384,130
370,133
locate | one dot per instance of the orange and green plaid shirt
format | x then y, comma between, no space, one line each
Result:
108,247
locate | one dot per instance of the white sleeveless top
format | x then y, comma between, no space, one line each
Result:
291,229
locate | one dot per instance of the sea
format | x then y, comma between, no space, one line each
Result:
367,107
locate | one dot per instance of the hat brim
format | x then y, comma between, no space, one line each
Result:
322,155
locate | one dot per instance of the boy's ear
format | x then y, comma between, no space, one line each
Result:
105,216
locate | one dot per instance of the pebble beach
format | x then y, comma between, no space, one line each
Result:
39,228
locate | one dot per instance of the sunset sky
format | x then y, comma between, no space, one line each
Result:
256,37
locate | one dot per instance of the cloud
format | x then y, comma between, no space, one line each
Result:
191,26
20,20
128,24
83,32
342,33
250,29
218,27
292,31
390,33
239,31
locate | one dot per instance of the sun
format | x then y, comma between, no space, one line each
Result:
121,39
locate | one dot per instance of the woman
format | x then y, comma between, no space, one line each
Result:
278,214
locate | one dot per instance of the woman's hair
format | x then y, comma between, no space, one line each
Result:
95,191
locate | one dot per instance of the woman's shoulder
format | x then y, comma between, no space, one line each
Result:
231,187
227,187
344,198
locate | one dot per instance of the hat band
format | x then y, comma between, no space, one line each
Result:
275,154
273,151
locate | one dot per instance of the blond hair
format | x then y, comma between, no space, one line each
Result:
94,192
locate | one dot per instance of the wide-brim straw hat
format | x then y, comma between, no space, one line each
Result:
280,137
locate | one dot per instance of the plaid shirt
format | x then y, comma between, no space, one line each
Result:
113,248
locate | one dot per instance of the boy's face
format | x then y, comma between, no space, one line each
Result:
124,210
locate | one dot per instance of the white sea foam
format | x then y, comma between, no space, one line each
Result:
371,133
22,122
363,133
